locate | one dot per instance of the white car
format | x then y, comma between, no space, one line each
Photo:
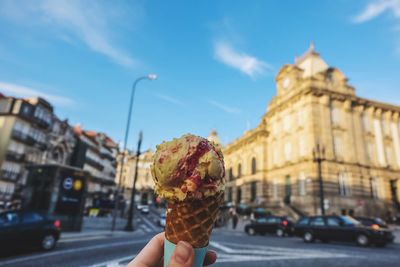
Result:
161,220
145,209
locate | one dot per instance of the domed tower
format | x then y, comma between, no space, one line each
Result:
213,137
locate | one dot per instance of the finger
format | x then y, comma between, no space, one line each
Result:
211,257
183,255
151,254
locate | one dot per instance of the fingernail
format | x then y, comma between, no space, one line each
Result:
182,252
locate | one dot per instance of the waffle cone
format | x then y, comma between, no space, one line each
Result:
192,220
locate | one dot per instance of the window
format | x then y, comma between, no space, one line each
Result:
239,170
338,146
332,221
10,218
31,217
390,155
230,194
373,181
366,123
335,113
303,221
274,153
230,174
318,221
370,151
253,166
344,189
288,151
275,189
302,184
253,191
286,123
300,117
271,220
302,147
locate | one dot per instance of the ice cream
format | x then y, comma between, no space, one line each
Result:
189,167
189,174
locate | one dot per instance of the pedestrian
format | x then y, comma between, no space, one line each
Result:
183,256
235,219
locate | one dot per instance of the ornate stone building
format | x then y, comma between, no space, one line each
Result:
144,183
273,165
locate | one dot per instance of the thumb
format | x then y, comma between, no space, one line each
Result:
183,255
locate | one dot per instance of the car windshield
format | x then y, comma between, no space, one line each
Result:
349,220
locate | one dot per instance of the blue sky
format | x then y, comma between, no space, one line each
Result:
216,60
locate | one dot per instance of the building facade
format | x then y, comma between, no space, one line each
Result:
144,182
96,153
24,127
274,165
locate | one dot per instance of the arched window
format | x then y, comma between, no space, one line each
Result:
343,180
373,181
253,166
239,170
230,174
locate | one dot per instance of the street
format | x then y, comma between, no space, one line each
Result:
234,248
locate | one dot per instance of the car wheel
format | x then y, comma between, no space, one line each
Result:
325,240
251,231
48,242
362,240
280,232
308,237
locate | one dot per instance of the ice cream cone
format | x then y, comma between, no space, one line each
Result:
192,220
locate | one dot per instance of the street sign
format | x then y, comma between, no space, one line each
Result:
67,183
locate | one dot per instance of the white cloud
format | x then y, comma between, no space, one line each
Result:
247,64
24,92
92,22
224,108
377,8
170,99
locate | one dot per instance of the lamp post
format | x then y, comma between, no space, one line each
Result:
128,123
319,156
129,225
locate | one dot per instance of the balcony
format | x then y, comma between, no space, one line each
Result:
94,164
42,122
18,135
9,175
15,156
23,137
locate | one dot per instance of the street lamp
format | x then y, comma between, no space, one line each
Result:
128,123
319,156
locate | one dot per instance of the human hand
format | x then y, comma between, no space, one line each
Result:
152,255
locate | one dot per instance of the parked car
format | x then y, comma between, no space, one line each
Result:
162,220
280,226
28,228
341,228
145,209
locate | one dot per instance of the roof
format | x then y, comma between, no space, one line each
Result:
310,62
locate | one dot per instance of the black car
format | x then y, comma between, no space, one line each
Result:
280,226
28,228
340,228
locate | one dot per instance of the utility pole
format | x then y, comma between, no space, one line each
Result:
129,223
319,156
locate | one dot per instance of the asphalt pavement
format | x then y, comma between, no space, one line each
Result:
234,248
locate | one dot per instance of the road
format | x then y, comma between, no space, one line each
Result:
234,248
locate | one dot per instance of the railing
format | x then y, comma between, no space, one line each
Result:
42,122
14,156
9,175
94,164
